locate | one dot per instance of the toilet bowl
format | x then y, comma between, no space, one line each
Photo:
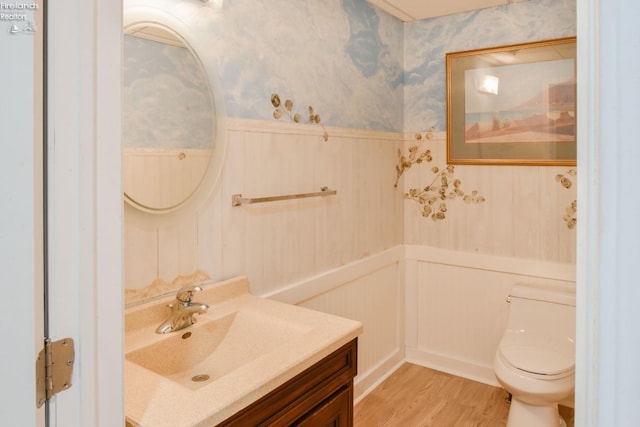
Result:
535,360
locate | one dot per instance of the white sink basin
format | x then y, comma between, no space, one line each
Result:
241,349
204,352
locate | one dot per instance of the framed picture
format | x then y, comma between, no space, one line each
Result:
513,105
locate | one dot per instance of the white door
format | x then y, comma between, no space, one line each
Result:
84,206
21,235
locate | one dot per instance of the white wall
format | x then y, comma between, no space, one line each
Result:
607,370
339,254
279,243
460,269
456,307
521,217
324,253
85,206
21,233
290,245
370,290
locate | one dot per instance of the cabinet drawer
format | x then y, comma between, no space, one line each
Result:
303,393
335,412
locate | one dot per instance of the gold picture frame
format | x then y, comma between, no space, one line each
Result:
513,105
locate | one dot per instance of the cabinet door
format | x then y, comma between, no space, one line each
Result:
334,412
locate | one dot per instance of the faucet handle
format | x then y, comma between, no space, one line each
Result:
185,293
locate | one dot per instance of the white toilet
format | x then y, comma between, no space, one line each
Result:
535,360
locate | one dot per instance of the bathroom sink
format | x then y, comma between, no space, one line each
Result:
208,350
241,349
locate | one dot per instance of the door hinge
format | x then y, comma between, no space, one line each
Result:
54,367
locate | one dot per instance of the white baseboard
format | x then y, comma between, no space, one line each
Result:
366,382
460,368
453,366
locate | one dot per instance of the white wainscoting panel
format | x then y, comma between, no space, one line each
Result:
456,306
370,291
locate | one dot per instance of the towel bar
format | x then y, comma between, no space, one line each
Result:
237,199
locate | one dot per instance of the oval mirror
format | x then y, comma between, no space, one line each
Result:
168,121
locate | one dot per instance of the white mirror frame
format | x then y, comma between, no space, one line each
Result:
151,218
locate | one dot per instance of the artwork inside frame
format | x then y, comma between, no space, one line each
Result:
513,105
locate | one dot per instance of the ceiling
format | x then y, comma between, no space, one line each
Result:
415,10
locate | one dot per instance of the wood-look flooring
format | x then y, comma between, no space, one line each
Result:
415,396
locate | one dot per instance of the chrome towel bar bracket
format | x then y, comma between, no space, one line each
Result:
237,199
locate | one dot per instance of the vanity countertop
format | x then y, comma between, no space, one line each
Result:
302,338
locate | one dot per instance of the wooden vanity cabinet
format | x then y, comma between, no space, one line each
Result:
320,396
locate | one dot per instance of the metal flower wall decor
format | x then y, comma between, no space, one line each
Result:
433,198
414,157
571,215
281,109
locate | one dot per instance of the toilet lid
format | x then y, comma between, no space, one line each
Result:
537,360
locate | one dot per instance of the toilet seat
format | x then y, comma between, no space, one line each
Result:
539,362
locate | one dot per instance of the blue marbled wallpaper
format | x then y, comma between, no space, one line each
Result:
166,101
357,66
428,41
340,56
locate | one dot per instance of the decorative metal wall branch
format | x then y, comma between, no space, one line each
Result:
414,156
571,214
433,198
287,109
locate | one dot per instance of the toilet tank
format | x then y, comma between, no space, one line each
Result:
542,316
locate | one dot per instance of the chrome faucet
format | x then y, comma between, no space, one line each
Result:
183,310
